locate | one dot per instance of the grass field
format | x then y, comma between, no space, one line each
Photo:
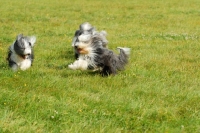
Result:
159,91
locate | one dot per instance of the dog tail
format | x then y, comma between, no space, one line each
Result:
123,57
127,51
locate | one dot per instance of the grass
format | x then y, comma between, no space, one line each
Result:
157,92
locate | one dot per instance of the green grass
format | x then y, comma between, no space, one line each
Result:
157,92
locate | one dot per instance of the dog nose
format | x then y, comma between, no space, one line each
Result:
28,54
76,46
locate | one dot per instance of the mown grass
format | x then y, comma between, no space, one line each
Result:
157,92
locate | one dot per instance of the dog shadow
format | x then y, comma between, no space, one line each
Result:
79,73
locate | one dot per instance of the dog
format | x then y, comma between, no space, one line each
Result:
94,55
84,33
20,53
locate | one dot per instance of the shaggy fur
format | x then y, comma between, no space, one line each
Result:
84,33
20,54
93,54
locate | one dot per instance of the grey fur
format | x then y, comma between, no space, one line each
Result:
107,60
11,63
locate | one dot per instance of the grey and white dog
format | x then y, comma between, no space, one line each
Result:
93,54
84,33
20,54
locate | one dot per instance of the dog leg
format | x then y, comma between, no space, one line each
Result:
12,64
14,67
79,65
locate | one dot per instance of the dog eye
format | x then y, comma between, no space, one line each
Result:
29,43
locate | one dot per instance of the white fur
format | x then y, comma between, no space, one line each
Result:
83,45
86,26
84,37
126,50
79,64
83,62
25,64
32,40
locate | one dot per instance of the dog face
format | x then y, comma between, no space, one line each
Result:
86,39
83,48
83,34
23,45
81,38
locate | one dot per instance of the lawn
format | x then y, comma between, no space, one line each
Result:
159,90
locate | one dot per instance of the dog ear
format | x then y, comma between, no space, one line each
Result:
75,39
32,40
78,33
19,36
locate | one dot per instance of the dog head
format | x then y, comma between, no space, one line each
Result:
87,44
86,30
87,37
23,45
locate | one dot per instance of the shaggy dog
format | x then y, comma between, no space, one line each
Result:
87,31
20,54
93,54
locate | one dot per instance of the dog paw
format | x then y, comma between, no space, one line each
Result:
71,66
